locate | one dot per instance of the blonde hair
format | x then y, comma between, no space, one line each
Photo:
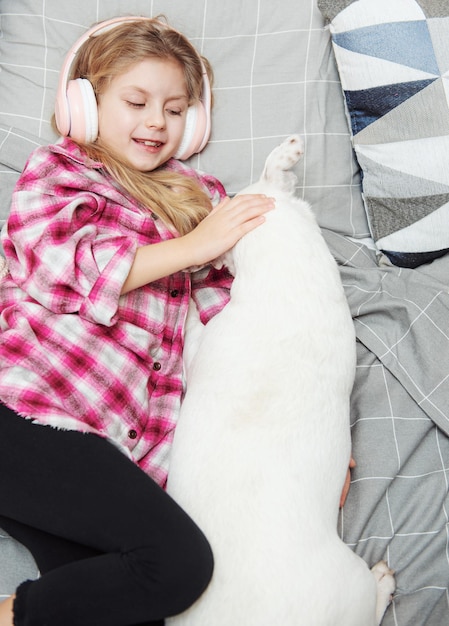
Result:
178,200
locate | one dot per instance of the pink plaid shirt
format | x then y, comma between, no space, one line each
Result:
74,353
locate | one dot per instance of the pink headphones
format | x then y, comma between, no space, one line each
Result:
76,111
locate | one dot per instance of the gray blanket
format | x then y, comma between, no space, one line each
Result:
398,504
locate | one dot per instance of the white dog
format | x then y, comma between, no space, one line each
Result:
262,446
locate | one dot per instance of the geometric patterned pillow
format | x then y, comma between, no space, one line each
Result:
393,61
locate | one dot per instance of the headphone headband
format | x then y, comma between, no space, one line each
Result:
76,111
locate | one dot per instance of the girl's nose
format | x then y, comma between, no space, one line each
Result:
155,119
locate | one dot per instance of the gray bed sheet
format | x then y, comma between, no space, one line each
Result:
398,504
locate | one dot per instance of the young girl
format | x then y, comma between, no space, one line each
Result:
104,233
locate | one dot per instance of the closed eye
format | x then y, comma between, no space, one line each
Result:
135,105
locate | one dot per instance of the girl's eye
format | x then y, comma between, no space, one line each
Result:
172,112
135,105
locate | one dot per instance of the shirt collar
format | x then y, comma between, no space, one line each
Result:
68,148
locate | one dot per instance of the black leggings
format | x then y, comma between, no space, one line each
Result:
112,547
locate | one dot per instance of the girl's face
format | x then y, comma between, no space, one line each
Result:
142,113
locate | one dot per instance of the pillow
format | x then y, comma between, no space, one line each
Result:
393,60
275,74
15,147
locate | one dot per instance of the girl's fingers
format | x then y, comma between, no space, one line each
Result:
226,224
220,205
244,202
242,214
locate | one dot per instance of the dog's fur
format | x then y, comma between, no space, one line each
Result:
262,446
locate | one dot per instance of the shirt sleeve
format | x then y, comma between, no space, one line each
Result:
210,286
211,291
59,246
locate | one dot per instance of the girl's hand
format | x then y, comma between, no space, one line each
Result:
226,224
347,484
215,235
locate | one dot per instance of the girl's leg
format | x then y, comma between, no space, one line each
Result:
150,560
49,553
6,612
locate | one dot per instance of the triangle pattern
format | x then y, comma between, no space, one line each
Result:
445,83
425,114
424,158
393,42
389,215
413,259
365,72
393,60
431,8
424,236
370,12
438,29
404,185
368,105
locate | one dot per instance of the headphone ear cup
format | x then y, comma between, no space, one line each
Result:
82,111
196,132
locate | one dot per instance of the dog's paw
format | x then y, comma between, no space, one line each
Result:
281,160
284,156
386,586
383,574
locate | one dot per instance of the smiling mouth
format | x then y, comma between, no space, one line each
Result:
147,142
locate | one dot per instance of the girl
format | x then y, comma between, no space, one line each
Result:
103,229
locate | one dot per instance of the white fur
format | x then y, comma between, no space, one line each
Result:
262,446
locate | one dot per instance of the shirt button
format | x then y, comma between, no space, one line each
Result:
132,434
157,366
174,293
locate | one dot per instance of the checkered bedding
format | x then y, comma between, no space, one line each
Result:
275,74
398,503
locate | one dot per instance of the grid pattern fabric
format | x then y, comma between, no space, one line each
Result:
398,504
275,74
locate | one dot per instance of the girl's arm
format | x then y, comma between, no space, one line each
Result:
217,233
